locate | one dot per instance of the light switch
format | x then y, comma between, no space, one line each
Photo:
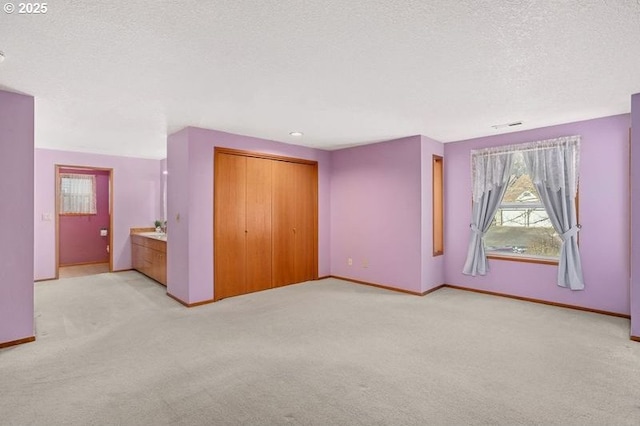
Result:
46,217
103,232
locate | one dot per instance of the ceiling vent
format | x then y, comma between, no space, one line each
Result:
502,126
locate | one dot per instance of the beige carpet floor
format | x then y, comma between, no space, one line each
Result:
113,349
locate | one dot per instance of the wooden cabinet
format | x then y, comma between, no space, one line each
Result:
265,222
149,256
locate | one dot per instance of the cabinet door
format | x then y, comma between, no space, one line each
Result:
229,225
259,182
136,256
147,261
305,220
161,268
284,208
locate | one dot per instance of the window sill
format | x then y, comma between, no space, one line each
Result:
525,259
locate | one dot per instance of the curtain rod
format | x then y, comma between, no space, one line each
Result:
526,146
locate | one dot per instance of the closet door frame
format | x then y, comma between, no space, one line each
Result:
314,164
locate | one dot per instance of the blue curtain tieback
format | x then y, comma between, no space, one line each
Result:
476,231
572,232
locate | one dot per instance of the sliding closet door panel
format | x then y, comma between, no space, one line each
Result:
305,250
283,219
265,222
259,183
230,225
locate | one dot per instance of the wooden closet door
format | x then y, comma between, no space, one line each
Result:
283,219
305,219
230,255
259,183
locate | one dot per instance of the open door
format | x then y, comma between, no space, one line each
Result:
84,220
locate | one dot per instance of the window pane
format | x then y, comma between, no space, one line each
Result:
521,225
77,194
438,206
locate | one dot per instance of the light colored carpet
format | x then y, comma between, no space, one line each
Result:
113,349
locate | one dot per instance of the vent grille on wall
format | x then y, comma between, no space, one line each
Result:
502,126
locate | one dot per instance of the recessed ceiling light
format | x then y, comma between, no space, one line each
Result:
1,56
296,134
164,172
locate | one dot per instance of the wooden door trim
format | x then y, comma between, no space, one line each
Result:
57,209
315,221
243,153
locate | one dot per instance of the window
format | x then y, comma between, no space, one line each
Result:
521,226
77,194
438,206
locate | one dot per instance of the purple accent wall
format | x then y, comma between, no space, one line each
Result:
136,192
190,196
381,215
178,193
163,189
603,213
16,216
635,200
80,240
432,266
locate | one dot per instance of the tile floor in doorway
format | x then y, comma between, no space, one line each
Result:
83,270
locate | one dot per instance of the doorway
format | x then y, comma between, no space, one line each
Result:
84,220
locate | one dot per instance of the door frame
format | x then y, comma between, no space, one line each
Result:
57,209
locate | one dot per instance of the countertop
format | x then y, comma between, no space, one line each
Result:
153,235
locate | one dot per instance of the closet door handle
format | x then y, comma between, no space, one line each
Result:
294,230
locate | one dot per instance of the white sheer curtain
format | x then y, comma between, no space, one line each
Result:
77,193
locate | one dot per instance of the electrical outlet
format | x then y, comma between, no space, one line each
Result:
349,261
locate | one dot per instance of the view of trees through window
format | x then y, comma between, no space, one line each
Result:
521,227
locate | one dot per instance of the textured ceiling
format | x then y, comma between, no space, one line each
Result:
116,77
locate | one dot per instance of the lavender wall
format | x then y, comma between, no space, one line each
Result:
376,213
16,216
80,240
178,194
635,197
432,266
382,216
136,202
190,195
603,213
163,189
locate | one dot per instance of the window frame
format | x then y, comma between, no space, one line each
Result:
438,204
515,257
61,195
